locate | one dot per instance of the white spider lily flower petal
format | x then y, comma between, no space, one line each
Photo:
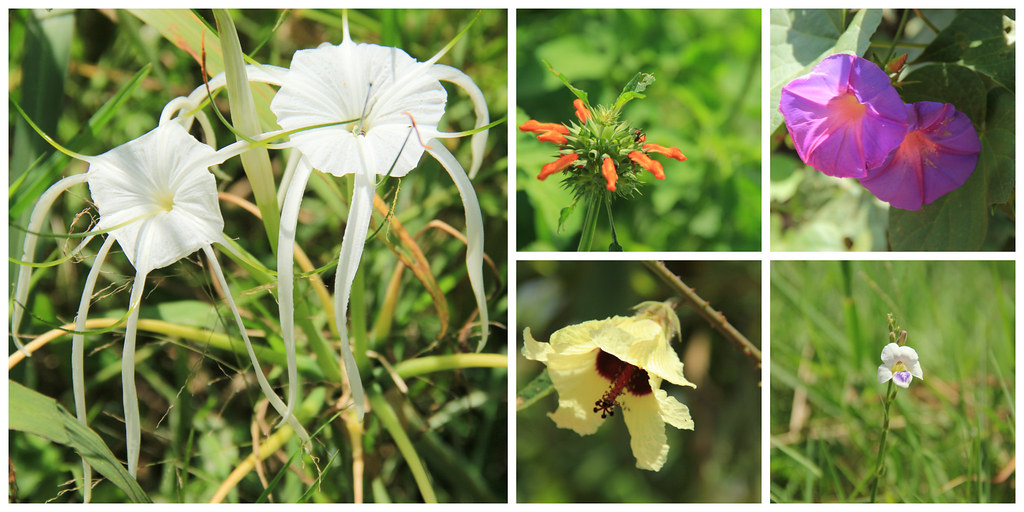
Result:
354,84
366,110
157,177
900,364
157,198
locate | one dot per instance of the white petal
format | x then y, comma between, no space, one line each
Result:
268,391
474,232
908,356
145,177
915,370
672,411
348,263
35,223
129,395
884,374
367,85
478,141
285,283
78,354
890,354
579,386
646,430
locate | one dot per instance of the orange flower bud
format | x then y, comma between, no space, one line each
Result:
608,170
651,165
581,110
552,136
667,151
558,165
538,127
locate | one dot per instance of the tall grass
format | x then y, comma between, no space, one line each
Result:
951,435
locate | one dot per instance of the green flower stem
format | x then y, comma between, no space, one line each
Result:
589,224
390,421
429,364
896,36
611,222
880,463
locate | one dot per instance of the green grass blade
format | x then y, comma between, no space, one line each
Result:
41,415
390,421
256,161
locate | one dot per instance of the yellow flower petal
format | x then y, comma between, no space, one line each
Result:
646,431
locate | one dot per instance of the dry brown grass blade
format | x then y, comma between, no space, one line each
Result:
416,262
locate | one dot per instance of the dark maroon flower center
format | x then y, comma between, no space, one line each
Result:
623,377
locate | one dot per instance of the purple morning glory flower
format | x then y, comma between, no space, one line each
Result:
844,117
937,156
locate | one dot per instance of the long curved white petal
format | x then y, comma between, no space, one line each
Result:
478,141
39,212
264,385
285,284
474,230
78,354
129,395
265,73
352,243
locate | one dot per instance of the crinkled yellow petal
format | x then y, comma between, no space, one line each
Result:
533,349
579,386
646,430
672,411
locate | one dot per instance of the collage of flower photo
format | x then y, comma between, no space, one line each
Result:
509,255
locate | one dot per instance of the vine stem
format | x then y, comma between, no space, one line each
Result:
880,462
703,307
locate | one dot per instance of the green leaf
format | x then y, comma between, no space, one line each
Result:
633,89
997,146
564,215
580,93
802,38
538,388
948,83
981,39
38,414
957,221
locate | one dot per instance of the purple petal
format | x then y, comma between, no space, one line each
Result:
937,156
902,379
844,117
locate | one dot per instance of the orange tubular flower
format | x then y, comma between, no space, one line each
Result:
552,136
549,132
581,110
669,152
608,170
558,165
651,165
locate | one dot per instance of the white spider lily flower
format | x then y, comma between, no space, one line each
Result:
368,110
621,361
157,198
899,364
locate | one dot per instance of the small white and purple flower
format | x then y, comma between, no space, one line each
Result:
899,364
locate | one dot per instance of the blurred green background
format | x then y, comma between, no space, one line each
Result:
952,436
706,101
197,402
719,461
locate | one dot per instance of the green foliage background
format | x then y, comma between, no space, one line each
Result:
705,100
719,461
966,57
952,435
198,402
